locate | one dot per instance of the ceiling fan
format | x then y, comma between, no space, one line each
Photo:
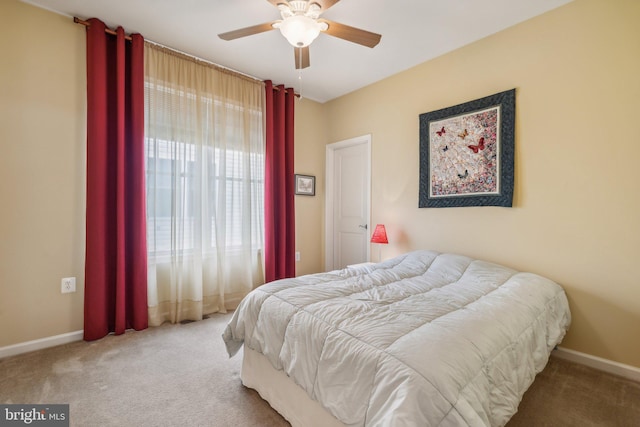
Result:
301,24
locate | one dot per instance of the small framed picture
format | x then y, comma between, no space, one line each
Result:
305,185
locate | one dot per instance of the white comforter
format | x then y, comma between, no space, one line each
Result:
424,339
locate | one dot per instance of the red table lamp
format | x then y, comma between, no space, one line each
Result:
379,236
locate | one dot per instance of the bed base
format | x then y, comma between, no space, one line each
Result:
282,393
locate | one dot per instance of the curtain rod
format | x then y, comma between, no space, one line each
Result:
112,32
106,29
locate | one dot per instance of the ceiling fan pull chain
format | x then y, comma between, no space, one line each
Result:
300,72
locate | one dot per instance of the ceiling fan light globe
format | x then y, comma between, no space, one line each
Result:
299,30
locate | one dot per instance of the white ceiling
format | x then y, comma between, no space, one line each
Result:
413,31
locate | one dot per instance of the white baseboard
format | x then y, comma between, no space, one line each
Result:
39,344
606,365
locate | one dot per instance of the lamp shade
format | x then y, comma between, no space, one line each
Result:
379,234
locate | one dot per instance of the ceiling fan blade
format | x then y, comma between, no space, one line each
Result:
352,34
325,4
302,57
248,31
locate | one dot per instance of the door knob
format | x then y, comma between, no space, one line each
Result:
363,226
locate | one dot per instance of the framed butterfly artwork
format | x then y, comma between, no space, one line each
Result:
467,153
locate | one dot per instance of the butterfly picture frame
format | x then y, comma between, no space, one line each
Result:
467,153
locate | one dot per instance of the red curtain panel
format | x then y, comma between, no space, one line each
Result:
116,253
279,250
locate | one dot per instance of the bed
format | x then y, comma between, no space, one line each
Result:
423,339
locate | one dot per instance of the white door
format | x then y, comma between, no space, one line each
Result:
348,202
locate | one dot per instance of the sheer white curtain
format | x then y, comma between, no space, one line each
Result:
205,178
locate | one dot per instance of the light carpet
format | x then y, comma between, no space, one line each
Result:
181,375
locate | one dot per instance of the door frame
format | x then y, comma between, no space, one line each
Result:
329,193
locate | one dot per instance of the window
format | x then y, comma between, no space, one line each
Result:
203,184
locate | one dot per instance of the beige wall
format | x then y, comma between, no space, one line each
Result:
42,161
310,137
576,71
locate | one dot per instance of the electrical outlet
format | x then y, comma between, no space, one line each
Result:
297,256
68,285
